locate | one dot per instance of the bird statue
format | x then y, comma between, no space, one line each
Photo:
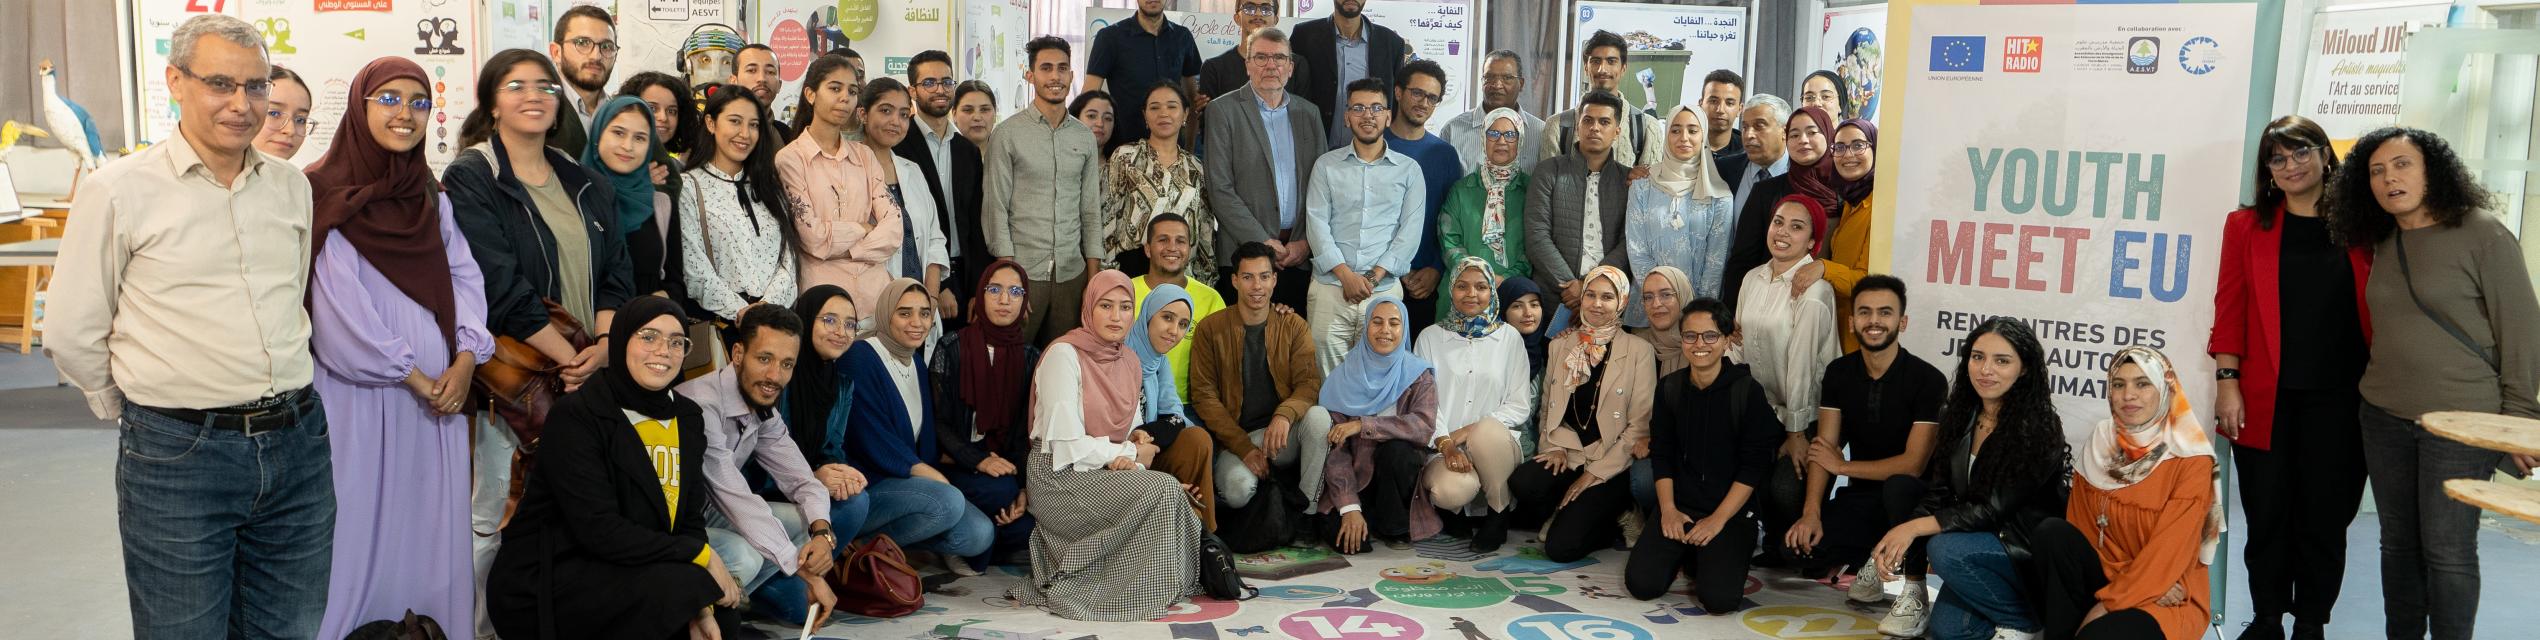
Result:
9,132
69,122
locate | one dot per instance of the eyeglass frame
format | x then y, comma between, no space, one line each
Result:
1267,9
1500,136
225,86
551,89
678,344
2288,158
1849,148
582,44
418,106
1016,291
1705,337
300,125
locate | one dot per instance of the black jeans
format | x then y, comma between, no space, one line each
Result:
1718,569
1585,526
2300,495
2429,542
2070,577
1386,502
1862,513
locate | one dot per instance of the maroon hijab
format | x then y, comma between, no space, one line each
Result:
1817,181
989,383
386,204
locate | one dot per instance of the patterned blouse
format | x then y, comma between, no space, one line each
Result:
1136,187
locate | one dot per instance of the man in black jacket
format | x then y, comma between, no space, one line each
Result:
944,156
1346,46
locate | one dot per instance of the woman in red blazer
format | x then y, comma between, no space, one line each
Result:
2289,344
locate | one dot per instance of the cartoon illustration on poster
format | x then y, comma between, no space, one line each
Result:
1851,43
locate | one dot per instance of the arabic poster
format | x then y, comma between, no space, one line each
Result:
2350,82
1851,41
2096,222
1440,30
1673,47
329,41
991,47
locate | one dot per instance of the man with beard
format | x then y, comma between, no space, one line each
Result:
1642,139
1575,205
1416,92
945,157
1266,142
1363,212
1351,47
1229,71
1043,206
1131,56
585,50
1883,405
1723,95
755,68
759,540
1503,78
1168,252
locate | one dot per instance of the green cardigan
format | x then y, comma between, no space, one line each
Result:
1460,232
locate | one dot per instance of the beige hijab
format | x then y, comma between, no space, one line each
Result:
1693,176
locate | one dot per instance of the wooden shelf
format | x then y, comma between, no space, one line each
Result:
2486,430
2519,502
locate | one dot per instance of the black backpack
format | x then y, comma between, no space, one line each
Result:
1263,524
1217,573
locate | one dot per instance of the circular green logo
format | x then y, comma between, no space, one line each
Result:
856,18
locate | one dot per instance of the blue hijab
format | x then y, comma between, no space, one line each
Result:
1156,372
1365,383
634,190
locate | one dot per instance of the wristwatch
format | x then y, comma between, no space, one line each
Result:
2226,374
825,533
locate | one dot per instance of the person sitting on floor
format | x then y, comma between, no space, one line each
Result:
1711,440
1254,384
1384,404
2131,555
1486,397
1164,317
978,415
891,426
759,540
1596,404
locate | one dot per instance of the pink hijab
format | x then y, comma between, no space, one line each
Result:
1110,375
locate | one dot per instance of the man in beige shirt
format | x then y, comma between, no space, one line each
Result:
177,307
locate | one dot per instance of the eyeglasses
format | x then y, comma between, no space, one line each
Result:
940,82
1502,136
831,320
1367,109
542,87
608,48
224,86
1501,78
1706,337
1249,9
1014,291
1268,58
1421,96
1655,296
299,125
391,100
2304,156
1849,148
653,339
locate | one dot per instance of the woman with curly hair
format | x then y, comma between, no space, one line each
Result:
2002,469
2453,321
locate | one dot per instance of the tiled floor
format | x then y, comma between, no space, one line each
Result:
63,578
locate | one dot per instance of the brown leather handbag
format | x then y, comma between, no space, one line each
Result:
520,384
875,581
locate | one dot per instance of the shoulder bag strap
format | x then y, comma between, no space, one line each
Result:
2398,240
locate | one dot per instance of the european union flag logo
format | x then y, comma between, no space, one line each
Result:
1957,53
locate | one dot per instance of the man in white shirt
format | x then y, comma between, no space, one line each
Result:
178,308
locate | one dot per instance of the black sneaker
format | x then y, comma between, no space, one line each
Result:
2263,630
2309,631
1492,533
1305,531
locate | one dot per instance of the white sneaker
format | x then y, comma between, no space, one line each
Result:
2007,634
1866,587
959,566
1911,615
1631,521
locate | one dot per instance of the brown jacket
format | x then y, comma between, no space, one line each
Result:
1217,374
1630,386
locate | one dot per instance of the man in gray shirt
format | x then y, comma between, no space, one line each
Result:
1043,206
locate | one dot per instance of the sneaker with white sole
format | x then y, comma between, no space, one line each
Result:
2007,634
959,566
1911,616
1866,586
1631,522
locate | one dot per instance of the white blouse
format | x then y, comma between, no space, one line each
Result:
1058,415
1788,341
904,376
749,257
1479,378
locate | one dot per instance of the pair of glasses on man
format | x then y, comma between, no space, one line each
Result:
225,86
607,48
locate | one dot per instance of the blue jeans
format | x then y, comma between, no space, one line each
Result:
225,534
922,514
2429,541
1645,487
1980,588
783,599
990,495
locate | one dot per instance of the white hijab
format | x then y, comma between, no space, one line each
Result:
2171,434
1695,176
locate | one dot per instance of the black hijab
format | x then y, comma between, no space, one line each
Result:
616,385
814,390
1536,343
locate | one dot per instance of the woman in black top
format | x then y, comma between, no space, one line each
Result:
980,407
1711,438
2002,469
606,543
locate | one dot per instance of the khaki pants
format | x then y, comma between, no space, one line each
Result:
1334,323
1056,308
1492,448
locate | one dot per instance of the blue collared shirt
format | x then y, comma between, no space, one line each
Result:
1353,65
1364,214
1274,122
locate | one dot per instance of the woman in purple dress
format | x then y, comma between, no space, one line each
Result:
397,309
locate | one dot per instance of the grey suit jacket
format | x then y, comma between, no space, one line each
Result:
1242,193
1559,193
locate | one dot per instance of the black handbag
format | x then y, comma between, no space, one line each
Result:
1262,525
1217,573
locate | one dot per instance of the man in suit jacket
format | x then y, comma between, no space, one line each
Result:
1761,185
934,143
1343,48
1558,205
1263,127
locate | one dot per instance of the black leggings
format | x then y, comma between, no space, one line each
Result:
1718,569
2301,493
1588,524
2070,577
1862,513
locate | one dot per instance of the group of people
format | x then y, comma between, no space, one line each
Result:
1081,338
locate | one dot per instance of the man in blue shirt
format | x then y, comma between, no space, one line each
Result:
1416,92
1264,144
1363,212
1131,56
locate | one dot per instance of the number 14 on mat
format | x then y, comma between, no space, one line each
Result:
1349,623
